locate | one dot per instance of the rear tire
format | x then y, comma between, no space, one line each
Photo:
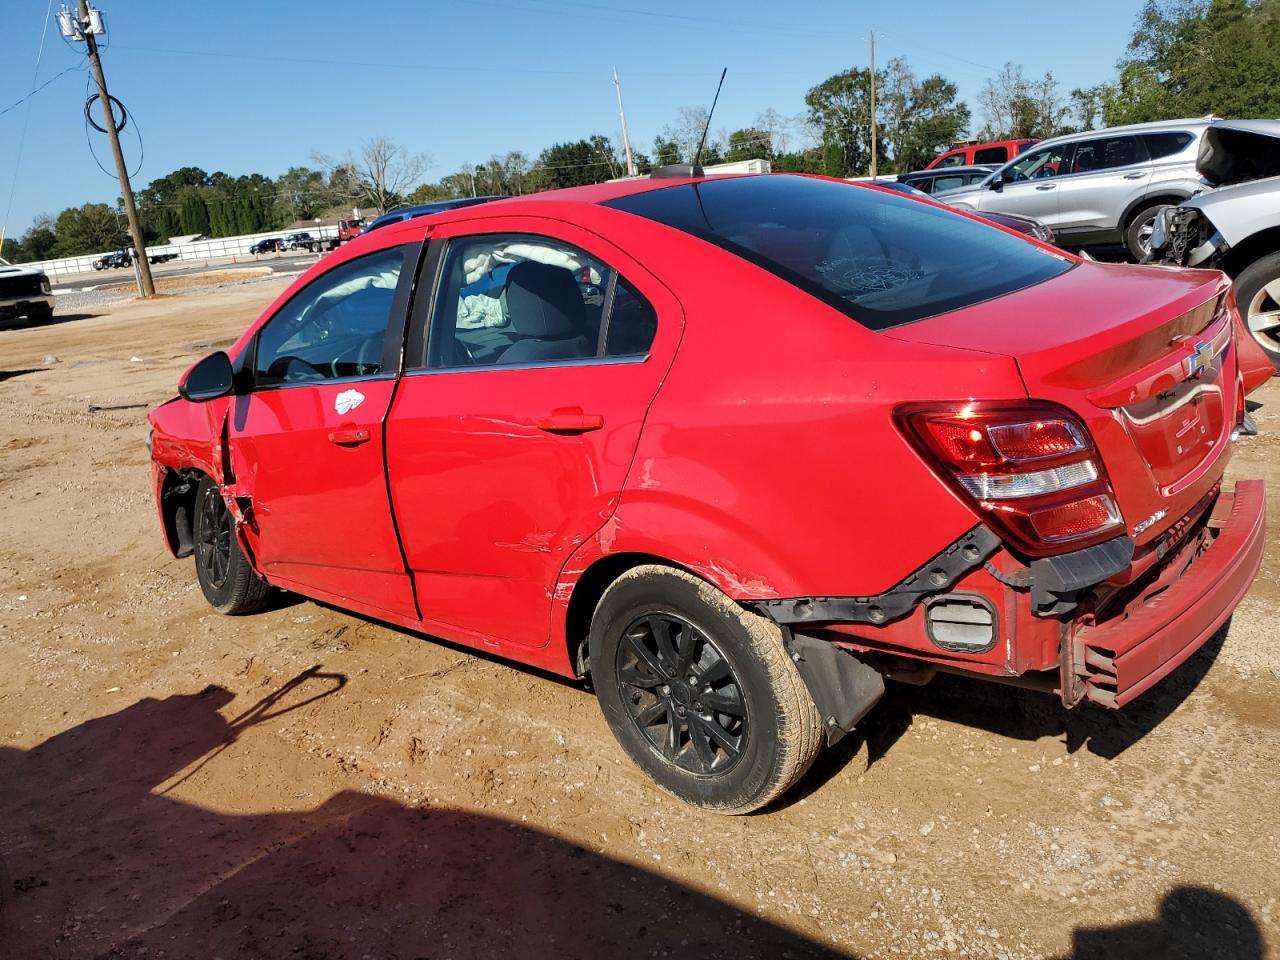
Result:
700,693
1258,297
226,578
1137,236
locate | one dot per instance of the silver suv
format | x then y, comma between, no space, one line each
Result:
1100,187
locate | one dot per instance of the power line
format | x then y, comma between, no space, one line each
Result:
22,137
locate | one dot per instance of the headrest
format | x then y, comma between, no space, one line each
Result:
544,301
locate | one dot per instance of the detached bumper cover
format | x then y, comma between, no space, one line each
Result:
1116,661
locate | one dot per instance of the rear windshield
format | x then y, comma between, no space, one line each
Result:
883,259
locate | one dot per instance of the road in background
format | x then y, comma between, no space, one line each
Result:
277,263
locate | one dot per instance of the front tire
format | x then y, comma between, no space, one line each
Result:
699,692
1137,236
226,578
1258,297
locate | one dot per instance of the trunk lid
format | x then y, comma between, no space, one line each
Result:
1145,356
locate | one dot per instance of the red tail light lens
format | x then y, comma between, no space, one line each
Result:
1030,468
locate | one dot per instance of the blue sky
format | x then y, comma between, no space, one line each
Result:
258,85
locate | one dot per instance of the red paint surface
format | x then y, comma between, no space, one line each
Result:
755,445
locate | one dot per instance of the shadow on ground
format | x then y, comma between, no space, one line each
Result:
105,862
23,323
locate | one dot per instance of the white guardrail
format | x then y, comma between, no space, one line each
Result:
196,250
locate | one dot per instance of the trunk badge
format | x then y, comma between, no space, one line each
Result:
347,401
1199,360
1150,521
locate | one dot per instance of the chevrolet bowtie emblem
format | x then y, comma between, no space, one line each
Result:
1199,360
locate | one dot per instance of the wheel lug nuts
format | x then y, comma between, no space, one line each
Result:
665,689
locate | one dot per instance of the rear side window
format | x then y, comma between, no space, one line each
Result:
508,299
1161,145
883,260
991,155
1107,153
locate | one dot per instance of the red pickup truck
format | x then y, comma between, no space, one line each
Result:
998,151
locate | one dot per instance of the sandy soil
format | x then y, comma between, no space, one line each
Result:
174,783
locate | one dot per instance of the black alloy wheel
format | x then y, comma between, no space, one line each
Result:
681,693
214,539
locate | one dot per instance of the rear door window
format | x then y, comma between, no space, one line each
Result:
507,299
991,155
881,259
1107,153
953,182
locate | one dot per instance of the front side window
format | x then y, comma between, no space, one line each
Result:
1107,153
953,182
1039,164
991,155
879,258
334,328
951,160
518,299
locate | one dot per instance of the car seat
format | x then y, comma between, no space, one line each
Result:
547,315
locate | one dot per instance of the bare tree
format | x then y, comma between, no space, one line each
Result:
381,173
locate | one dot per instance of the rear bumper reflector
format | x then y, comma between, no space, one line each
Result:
1114,662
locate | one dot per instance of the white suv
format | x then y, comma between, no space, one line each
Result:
1100,187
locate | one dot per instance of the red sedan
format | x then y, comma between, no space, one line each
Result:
737,449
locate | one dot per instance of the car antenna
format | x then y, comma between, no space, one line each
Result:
694,169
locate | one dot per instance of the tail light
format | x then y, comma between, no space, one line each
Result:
1031,469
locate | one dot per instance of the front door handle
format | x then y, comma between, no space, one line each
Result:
569,420
349,436
1134,176
1046,186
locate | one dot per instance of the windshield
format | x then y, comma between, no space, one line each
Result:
880,258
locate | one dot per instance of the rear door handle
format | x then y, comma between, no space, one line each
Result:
1047,186
569,420
349,436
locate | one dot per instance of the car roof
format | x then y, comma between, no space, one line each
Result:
1155,126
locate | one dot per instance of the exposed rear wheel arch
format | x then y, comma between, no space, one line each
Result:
595,580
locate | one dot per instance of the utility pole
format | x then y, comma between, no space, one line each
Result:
622,115
873,103
87,29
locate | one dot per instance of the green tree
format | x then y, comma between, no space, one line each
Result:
840,107
91,228
665,152
577,163
920,118
749,143
38,243
1194,57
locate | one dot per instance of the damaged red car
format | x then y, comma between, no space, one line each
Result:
737,449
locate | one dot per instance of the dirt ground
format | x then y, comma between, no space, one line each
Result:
304,783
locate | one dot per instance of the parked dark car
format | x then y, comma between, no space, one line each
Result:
943,179
299,241
426,209
111,261
267,245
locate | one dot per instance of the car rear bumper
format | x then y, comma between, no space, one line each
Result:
1173,616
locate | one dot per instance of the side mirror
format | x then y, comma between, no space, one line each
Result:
209,379
996,183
